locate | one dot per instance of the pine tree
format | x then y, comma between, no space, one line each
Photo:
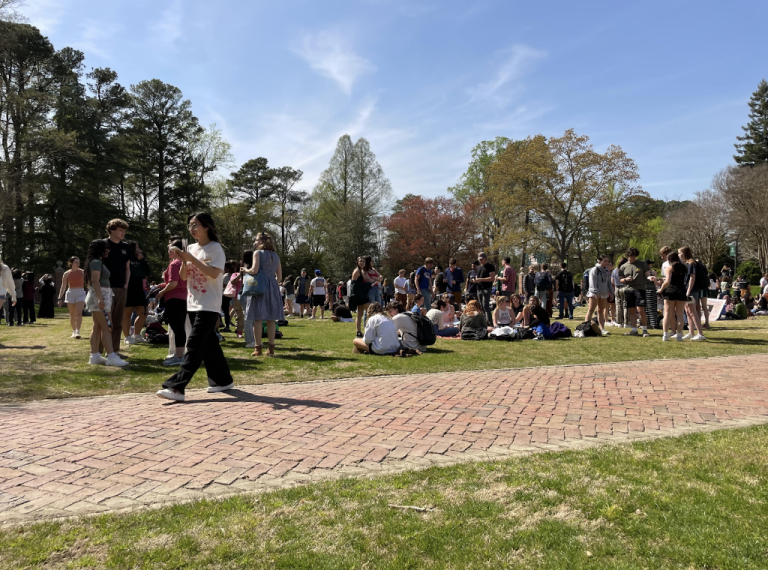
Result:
753,146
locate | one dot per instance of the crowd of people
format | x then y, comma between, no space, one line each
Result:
202,294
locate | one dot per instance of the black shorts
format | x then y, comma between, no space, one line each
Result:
634,299
318,300
302,300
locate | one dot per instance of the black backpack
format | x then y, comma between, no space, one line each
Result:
702,279
425,330
543,281
566,282
587,329
469,333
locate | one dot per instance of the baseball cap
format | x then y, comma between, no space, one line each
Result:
303,270
317,272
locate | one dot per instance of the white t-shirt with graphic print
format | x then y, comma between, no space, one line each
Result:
204,293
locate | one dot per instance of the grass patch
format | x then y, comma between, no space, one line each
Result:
699,501
41,361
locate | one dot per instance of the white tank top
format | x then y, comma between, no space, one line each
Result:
503,318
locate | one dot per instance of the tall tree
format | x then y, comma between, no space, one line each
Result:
252,182
753,145
163,122
288,201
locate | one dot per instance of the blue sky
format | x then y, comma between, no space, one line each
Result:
424,81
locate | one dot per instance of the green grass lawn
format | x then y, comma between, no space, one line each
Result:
696,502
41,361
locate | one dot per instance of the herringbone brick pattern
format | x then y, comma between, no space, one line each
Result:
70,457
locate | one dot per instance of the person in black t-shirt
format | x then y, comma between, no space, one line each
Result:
564,288
119,264
486,275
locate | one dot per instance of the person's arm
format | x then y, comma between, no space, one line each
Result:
127,273
667,281
168,288
64,287
370,331
495,317
279,272
95,276
490,279
254,268
691,282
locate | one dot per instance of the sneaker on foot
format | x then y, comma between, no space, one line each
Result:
96,359
633,332
699,337
77,335
213,389
646,334
175,361
679,337
129,340
74,335
115,360
169,394
687,336
138,339
604,332
664,337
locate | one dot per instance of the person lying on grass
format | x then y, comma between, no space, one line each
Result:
380,333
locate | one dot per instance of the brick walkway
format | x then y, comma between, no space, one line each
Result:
70,457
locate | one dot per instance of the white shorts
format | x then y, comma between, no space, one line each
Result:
593,295
291,297
74,296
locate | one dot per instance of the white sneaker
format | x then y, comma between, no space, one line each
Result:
687,336
170,395
699,337
138,339
115,360
172,361
679,337
129,340
605,332
74,335
170,356
77,335
665,337
96,359
213,389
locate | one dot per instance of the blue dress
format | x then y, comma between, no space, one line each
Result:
269,306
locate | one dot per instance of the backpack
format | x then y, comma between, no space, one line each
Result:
425,330
567,282
559,330
588,329
702,280
543,281
473,334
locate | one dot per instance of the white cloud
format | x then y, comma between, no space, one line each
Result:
168,27
46,15
520,60
97,37
331,55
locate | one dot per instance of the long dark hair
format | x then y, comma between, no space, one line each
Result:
95,251
675,264
247,258
206,221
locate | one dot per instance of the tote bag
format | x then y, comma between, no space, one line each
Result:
255,285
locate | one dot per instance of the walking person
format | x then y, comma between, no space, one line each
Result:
301,286
319,288
136,297
267,307
599,291
99,297
174,295
7,292
693,291
673,292
118,262
72,292
203,268
486,275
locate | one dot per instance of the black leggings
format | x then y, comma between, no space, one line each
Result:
176,315
225,307
29,310
202,348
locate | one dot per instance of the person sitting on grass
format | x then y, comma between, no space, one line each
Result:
437,315
533,314
473,317
502,315
406,326
380,333
418,305
516,307
341,314
454,309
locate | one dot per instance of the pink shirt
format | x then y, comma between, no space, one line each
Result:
180,292
508,283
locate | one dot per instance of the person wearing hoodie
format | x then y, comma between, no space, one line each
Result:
599,291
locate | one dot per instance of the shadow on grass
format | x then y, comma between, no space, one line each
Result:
36,347
276,403
743,341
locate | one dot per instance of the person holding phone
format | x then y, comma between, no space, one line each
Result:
203,269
